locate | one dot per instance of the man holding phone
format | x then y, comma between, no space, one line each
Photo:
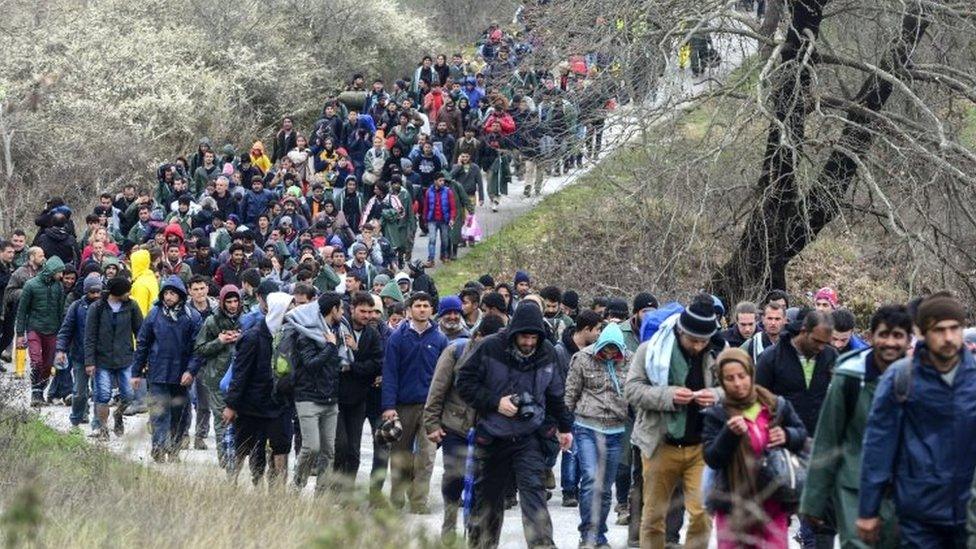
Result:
212,354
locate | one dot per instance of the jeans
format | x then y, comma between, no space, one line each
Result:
812,537
919,534
318,424
455,448
201,407
103,384
79,403
349,436
599,455
215,401
168,414
434,228
568,471
61,384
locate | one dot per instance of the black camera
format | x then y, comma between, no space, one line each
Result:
528,408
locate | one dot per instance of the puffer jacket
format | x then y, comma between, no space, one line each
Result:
108,335
211,357
42,301
595,389
165,345
445,409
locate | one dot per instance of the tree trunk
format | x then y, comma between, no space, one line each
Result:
785,236
759,261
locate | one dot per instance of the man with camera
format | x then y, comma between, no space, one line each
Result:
512,380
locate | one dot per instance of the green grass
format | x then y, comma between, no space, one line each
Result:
60,491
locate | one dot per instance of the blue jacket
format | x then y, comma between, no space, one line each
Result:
71,335
254,204
923,446
408,364
165,345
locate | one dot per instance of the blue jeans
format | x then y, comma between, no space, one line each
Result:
168,414
455,449
599,456
919,534
433,229
568,471
79,402
103,384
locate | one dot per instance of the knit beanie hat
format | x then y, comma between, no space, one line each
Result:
448,304
698,320
487,280
92,283
571,299
826,294
118,286
936,308
522,276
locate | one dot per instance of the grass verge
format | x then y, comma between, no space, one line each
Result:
60,491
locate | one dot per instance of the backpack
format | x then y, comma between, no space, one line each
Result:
282,360
653,320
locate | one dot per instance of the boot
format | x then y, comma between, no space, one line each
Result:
119,417
101,435
449,527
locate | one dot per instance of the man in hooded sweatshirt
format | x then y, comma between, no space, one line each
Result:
163,351
39,315
145,291
319,353
594,393
512,380
213,352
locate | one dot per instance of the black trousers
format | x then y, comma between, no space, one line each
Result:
349,434
381,452
495,460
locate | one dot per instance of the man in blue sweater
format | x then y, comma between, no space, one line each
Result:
919,436
408,366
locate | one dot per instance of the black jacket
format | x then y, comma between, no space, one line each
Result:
316,371
720,445
367,363
733,337
493,371
779,370
57,241
108,335
252,383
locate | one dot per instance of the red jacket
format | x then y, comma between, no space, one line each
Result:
504,119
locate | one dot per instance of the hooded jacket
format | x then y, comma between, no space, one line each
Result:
58,242
165,344
71,335
595,388
251,390
109,334
211,357
41,305
392,291
145,287
496,369
315,360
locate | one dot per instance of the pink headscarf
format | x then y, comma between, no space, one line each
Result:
826,294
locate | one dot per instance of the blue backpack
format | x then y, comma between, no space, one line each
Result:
654,319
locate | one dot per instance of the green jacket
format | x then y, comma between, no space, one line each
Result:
214,357
834,474
465,206
327,279
392,291
41,306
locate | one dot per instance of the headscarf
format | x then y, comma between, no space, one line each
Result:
747,509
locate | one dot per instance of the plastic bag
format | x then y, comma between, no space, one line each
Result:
472,229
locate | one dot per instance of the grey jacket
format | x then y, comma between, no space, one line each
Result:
653,403
445,409
596,398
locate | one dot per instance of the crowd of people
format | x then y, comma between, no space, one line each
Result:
271,298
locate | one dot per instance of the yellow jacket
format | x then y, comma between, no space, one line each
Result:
145,287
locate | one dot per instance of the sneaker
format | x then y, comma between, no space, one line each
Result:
199,444
133,410
623,514
67,401
37,401
570,501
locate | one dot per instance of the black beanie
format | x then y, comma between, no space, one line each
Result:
571,299
118,286
698,320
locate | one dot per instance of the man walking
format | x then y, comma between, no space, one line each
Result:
71,348
39,314
408,366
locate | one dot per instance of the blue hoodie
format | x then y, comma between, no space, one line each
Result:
166,338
